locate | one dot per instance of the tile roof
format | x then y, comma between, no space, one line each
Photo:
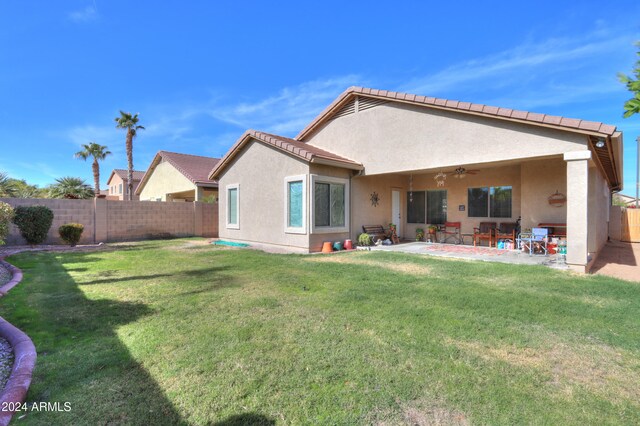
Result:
584,126
122,174
196,168
301,150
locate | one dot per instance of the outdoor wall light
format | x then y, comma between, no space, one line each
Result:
600,143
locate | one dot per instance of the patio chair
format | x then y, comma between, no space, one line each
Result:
506,230
536,242
485,231
450,230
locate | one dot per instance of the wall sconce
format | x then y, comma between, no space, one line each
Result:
600,143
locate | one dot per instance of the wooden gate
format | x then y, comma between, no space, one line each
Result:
630,231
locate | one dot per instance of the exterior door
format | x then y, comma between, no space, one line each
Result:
395,211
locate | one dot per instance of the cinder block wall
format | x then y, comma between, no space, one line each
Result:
108,220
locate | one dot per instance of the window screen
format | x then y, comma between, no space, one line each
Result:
233,206
478,201
436,207
500,201
416,207
295,204
329,204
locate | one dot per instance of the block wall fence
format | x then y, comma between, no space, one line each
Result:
110,220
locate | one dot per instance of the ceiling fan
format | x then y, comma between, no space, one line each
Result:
461,172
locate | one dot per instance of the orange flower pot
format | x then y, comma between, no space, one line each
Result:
327,247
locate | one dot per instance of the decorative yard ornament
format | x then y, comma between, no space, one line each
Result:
440,178
375,199
558,199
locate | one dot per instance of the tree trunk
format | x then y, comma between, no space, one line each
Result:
96,176
130,164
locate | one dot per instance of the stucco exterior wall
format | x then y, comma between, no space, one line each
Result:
260,172
165,179
396,137
541,179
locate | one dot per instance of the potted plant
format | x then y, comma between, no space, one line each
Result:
419,234
364,241
432,233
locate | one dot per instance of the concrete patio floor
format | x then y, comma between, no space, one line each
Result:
461,251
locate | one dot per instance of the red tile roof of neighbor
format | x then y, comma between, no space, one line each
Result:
122,173
196,168
583,126
301,150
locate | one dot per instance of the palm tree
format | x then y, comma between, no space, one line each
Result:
72,188
129,122
7,188
99,153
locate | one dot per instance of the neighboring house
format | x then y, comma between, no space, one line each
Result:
178,177
117,184
625,200
374,157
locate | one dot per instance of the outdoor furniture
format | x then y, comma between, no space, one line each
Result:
376,232
450,231
536,241
555,229
485,231
463,236
506,230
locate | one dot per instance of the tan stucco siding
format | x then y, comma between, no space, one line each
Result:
165,179
393,137
114,188
260,172
363,212
540,180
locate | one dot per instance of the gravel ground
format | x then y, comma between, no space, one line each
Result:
5,276
6,362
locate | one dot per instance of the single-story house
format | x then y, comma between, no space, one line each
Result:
117,184
375,157
178,177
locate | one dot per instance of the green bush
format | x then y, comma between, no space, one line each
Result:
364,240
6,215
70,233
33,222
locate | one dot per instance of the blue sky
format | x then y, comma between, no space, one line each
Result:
200,73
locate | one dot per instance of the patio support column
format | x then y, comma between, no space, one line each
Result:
577,209
199,193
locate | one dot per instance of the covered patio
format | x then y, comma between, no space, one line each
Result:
469,252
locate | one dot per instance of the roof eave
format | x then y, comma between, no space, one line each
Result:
334,163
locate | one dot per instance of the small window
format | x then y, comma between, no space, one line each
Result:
120,189
330,204
233,206
295,204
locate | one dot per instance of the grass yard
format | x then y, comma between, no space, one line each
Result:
166,332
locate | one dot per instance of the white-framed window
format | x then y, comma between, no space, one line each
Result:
295,204
233,206
329,204
120,189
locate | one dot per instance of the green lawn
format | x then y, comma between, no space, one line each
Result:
179,332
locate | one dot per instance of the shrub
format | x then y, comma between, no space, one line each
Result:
364,240
33,222
6,215
70,233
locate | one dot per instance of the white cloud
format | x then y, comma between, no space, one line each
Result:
288,111
89,13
